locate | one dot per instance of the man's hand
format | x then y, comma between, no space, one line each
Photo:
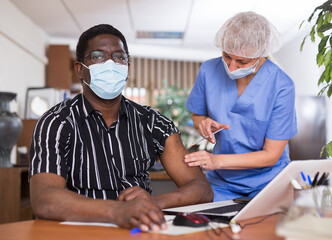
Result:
140,210
132,193
140,213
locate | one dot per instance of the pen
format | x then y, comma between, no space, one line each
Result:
135,230
321,180
314,182
202,139
324,182
303,177
309,180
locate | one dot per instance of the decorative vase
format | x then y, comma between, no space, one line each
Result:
10,128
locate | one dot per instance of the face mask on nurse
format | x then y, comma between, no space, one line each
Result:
240,72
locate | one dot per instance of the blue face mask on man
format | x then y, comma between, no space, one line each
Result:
240,72
108,79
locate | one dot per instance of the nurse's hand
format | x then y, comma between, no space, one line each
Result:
203,159
208,126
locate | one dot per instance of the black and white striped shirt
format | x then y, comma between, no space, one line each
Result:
72,140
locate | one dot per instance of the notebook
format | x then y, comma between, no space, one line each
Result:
275,197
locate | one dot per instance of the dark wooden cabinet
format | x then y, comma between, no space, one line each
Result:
15,197
60,70
59,67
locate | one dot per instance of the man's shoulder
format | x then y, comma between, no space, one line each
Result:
62,110
147,114
141,109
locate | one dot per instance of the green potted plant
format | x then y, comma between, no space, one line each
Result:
171,102
321,17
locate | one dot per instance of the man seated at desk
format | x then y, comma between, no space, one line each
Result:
91,155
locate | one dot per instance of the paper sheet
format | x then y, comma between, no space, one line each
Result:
89,224
171,229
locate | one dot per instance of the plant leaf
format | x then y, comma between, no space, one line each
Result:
322,91
320,58
329,91
327,73
322,43
302,44
324,27
313,13
321,79
312,34
301,24
322,151
327,58
328,17
319,21
321,35
329,149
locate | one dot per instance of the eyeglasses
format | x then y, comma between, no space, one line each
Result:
101,56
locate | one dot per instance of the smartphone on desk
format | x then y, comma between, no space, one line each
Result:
242,199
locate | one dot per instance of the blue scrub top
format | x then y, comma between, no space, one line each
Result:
266,109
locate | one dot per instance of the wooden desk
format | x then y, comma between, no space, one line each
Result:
43,229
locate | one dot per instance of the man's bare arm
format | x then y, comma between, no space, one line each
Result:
193,185
51,200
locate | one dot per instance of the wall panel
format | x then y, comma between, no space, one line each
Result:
147,77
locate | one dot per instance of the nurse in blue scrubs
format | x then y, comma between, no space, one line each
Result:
253,100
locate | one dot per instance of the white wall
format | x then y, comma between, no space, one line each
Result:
302,68
22,48
300,65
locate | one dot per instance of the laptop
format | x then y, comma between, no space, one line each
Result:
275,197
